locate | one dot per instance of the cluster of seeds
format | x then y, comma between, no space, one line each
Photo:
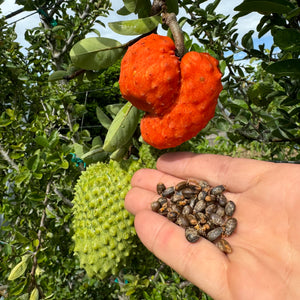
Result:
202,210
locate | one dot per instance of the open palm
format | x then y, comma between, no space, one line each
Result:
265,262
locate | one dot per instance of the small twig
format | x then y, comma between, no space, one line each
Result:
63,198
170,20
6,157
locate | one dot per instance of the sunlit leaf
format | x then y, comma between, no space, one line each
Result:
289,67
135,27
122,128
96,53
265,6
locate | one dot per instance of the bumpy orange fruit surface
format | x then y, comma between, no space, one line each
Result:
179,97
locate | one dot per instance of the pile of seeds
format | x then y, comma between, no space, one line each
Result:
202,210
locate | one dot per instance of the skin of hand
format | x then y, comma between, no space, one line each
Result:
265,262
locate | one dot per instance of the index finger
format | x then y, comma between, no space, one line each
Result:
236,174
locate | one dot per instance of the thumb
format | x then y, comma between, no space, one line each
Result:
201,263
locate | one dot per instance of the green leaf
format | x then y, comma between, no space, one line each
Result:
265,6
57,75
122,128
113,109
33,162
130,5
287,39
34,294
172,6
289,67
20,268
103,118
4,123
42,141
94,155
96,53
247,41
135,27
123,11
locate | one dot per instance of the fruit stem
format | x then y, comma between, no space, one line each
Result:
170,20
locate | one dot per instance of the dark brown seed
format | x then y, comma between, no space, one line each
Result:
202,195
182,221
217,190
216,219
229,208
201,230
191,234
193,201
164,209
230,226
222,200
162,200
160,187
220,211
224,246
203,184
187,210
200,206
212,208
214,234
201,217
168,192
155,206
176,209
188,193
181,185
192,219
172,216
177,197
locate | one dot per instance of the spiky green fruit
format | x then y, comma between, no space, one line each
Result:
104,232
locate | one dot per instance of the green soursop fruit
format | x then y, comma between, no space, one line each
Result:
104,232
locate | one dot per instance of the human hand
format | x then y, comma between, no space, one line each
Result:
265,262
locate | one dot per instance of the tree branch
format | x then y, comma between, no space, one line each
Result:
170,20
63,198
6,157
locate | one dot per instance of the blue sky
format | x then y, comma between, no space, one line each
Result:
225,7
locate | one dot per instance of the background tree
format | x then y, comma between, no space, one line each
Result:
43,124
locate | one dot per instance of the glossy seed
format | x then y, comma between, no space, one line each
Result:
201,217
220,211
162,200
177,197
222,200
187,210
214,234
193,201
182,221
224,246
181,185
217,190
188,193
192,219
216,219
230,226
168,192
176,208
172,216
192,234
160,187
155,206
202,195
229,208
212,208
200,206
